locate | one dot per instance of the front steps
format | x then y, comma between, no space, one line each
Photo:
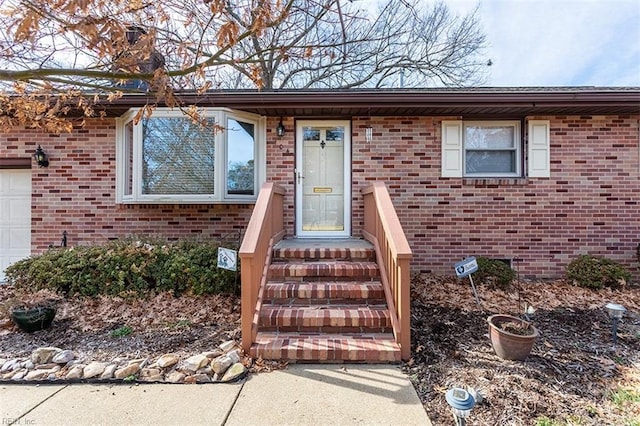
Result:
324,302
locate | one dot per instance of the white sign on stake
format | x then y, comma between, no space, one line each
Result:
227,259
465,268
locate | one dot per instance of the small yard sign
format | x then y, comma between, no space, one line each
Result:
466,266
227,259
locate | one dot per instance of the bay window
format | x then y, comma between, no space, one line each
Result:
170,158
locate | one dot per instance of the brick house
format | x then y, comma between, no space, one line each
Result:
539,175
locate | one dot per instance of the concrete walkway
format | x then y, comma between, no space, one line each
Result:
302,394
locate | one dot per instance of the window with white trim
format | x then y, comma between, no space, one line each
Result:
169,158
493,149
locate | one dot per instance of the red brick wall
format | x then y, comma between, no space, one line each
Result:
76,193
589,205
281,163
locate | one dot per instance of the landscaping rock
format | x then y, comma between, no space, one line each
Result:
53,363
234,355
205,370
19,375
48,366
197,378
142,362
236,371
175,377
94,369
151,375
75,372
109,371
221,364
167,360
10,365
194,363
44,355
41,374
63,357
127,371
213,354
227,346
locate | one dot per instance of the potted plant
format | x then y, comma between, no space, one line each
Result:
32,311
511,337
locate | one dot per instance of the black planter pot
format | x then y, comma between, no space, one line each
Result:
33,319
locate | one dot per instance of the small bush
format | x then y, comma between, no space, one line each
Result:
494,273
597,272
120,332
126,268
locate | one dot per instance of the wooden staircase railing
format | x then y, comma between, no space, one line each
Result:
265,228
382,228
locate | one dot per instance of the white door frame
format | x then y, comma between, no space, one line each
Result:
299,179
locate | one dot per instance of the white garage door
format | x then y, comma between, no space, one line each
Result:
15,217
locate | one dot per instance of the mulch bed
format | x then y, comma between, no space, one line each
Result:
572,376
160,324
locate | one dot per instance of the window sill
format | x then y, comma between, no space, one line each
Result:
487,182
185,203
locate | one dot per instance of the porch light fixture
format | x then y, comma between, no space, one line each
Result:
616,312
41,157
461,402
280,130
368,133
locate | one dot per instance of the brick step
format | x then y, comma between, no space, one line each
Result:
323,253
336,292
337,269
325,318
375,347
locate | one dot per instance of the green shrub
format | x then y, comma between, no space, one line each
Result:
597,272
122,331
494,273
126,268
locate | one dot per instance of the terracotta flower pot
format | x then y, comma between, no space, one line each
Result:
33,319
511,337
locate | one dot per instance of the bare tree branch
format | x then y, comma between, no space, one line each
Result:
82,51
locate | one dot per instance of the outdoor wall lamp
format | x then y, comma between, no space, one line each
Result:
616,312
41,157
280,130
461,403
368,134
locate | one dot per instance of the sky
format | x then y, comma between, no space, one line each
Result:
559,42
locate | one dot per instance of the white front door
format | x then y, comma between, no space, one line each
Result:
323,178
15,217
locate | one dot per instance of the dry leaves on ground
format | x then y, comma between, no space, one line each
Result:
572,376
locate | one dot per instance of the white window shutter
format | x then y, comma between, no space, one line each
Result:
539,149
451,149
